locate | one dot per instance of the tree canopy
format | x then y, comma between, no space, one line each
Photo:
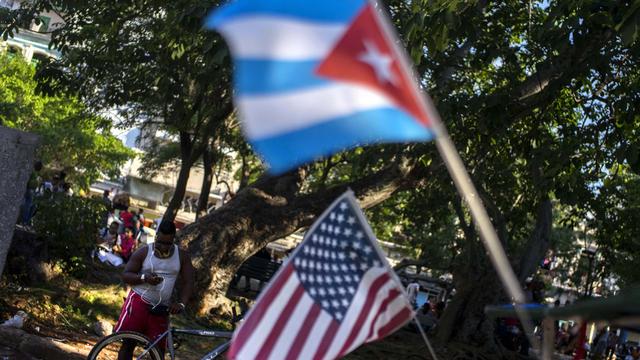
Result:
74,139
149,61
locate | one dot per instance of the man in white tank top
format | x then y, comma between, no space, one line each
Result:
152,272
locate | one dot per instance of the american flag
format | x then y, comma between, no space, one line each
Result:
335,293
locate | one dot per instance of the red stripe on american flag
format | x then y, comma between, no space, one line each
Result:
301,337
258,311
393,294
327,339
276,331
400,318
364,311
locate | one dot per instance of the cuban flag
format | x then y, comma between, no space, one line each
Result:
313,78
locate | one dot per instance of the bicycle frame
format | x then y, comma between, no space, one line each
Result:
203,333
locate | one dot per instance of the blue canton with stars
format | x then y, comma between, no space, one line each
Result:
333,258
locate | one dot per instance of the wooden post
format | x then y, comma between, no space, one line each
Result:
548,339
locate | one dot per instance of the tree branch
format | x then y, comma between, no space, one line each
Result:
555,73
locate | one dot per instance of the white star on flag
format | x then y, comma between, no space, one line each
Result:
380,62
331,306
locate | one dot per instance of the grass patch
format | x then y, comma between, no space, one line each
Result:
68,308
58,306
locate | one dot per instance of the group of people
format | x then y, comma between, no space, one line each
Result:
37,186
190,204
427,314
607,345
123,235
630,353
567,337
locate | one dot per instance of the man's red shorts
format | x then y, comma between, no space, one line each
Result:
135,316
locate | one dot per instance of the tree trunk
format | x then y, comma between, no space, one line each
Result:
203,200
178,194
464,319
477,284
221,241
265,211
187,159
539,242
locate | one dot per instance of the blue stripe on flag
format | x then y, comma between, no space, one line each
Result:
257,77
381,125
331,11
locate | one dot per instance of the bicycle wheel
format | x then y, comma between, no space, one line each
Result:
121,343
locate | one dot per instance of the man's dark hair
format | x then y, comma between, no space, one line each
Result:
426,307
37,166
140,211
130,228
167,227
106,193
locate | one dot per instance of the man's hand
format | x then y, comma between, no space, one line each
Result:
176,308
152,278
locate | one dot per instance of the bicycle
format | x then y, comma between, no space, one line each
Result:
142,348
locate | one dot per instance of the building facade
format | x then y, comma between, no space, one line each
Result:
33,39
154,193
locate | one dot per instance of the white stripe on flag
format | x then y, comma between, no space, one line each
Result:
316,334
300,109
273,37
263,328
294,323
354,311
394,307
372,312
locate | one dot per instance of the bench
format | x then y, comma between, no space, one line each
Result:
256,268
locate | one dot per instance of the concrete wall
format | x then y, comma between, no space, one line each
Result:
17,153
146,190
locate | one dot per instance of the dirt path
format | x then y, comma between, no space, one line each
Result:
18,344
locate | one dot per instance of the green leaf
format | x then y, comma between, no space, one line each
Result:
602,18
633,157
629,33
220,55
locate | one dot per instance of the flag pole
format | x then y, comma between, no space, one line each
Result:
465,188
426,340
488,234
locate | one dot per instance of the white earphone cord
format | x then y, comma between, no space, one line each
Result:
149,285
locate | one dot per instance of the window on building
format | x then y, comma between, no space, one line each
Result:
8,3
41,24
44,23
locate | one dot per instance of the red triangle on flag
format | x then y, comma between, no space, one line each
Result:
364,56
